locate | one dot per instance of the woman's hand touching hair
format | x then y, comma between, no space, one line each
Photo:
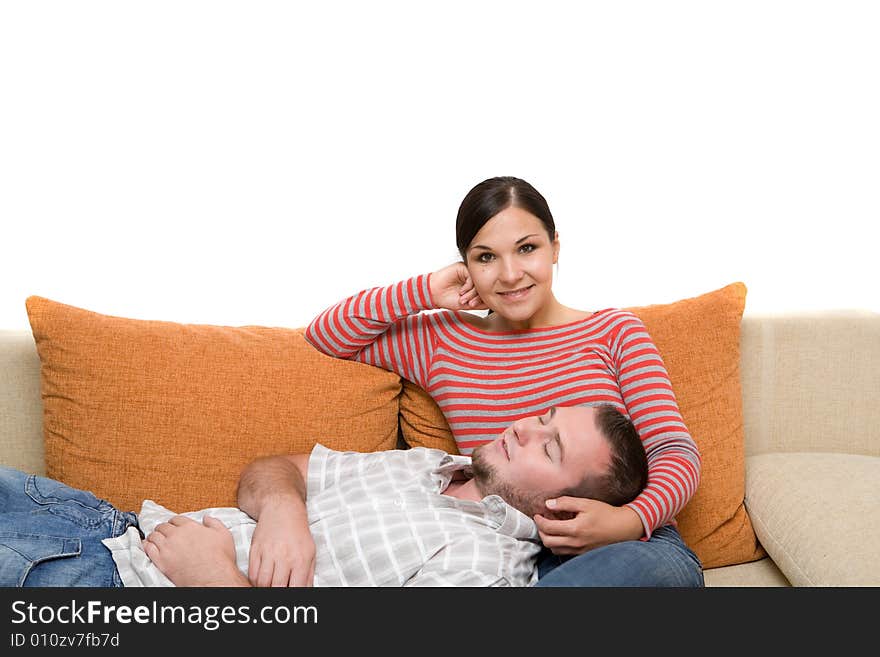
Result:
452,289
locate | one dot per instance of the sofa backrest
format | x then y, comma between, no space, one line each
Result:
810,382
21,408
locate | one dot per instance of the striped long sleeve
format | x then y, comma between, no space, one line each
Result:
380,326
484,381
649,401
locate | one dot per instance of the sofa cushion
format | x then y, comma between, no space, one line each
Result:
818,515
137,409
760,573
699,341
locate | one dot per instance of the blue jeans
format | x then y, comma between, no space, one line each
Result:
50,534
662,560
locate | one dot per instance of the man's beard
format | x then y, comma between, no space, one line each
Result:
489,482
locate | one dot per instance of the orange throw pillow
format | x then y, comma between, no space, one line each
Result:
137,409
422,423
699,341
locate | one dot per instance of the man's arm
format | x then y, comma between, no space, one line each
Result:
270,477
272,490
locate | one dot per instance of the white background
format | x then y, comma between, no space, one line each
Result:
252,162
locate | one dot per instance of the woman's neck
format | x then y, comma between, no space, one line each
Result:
553,314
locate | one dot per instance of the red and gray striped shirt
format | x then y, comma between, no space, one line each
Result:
484,381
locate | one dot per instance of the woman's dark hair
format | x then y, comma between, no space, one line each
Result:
491,197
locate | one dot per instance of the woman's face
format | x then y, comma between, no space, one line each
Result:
510,261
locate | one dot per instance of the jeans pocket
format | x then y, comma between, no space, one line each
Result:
20,554
73,504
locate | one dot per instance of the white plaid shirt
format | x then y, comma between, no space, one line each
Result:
378,519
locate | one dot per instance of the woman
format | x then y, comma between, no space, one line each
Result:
528,354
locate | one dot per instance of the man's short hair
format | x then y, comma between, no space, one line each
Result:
627,475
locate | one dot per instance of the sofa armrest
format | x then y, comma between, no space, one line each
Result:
810,382
21,407
817,515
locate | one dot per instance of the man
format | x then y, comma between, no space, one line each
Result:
400,517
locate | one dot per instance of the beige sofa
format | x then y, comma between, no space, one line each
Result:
811,402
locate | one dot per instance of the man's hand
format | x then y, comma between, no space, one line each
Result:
193,554
282,549
453,289
594,524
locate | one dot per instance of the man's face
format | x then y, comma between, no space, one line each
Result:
538,456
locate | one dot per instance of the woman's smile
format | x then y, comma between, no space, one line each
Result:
516,295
